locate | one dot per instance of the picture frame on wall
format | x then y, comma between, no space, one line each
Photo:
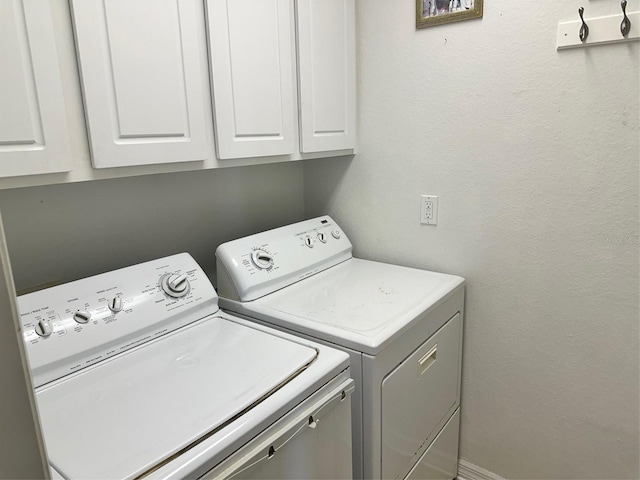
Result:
437,12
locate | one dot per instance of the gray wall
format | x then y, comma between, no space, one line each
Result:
65,232
535,156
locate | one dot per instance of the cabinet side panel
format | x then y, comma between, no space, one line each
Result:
23,454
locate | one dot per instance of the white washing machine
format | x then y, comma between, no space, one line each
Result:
138,374
401,326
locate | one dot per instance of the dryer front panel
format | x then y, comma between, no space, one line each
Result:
417,395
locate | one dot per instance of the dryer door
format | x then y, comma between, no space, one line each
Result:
417,397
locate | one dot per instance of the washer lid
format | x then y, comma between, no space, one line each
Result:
124,416
358,304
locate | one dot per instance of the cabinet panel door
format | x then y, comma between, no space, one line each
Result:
142,80
33,126
251,58
326,74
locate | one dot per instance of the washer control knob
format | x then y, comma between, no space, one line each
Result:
82,316
336,234
308,241
178,283
261,259
322,237
44,328
115,305
175,285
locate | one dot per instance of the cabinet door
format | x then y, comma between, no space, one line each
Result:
251,59
142,80
326,74
33,126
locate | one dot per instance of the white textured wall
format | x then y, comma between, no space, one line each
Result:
535,156
64,232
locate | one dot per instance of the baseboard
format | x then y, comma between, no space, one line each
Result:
469,471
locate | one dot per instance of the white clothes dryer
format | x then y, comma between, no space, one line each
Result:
401,326
138,374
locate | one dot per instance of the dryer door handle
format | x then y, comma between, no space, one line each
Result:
427,360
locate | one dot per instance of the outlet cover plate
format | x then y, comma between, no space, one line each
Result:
429,209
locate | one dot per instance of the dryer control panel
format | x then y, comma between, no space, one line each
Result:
254,266
77,324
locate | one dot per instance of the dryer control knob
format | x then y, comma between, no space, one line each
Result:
336,234
44,328
82,316
308,241
261,259
115,305
322,237
175,285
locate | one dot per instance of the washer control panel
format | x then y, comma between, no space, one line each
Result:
75,325
254,266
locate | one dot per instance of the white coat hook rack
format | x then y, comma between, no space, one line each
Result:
622,27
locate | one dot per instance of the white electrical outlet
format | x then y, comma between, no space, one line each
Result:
429,209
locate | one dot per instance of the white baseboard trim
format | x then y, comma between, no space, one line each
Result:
469,471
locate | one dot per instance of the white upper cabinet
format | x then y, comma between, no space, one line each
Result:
142,80
252,52
278,77
326,74
33,126
252,75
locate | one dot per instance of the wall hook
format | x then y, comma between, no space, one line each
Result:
625,26
584,29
